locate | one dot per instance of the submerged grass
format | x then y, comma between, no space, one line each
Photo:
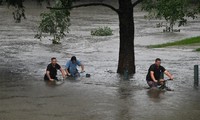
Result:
188,41
198,49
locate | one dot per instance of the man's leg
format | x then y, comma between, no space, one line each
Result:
163,86
46,78
55,78
69,72
77,74
152,84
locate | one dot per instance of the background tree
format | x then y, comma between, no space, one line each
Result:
55,23
171,10
126,24
19,11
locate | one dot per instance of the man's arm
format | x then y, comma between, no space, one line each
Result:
66,68
169,75
82,68
67,72
48,75
80,64
63,72
152,76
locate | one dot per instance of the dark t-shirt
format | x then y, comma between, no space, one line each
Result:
158,70
53,71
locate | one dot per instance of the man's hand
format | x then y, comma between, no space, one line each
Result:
162,80
169,75
68,74
64,76
156,81
51,79
171,78
82,68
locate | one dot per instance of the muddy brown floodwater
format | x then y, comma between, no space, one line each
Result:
105,95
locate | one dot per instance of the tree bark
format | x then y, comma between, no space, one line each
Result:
126,25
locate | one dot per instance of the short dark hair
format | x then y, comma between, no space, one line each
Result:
157,59
73,58
53,58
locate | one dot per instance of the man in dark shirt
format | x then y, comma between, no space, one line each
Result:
154,74
51,71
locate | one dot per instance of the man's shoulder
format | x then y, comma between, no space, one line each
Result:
162,67
78,61
68,64
57,65
49,65
153,65
69,61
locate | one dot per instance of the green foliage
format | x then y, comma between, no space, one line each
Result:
171,10
55,22
102,31
188,41
19,9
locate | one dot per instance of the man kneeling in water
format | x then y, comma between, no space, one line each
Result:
51,71
154,75
71,67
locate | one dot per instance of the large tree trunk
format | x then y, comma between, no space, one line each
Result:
126,24
126,51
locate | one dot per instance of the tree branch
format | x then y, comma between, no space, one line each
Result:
87,5
137,2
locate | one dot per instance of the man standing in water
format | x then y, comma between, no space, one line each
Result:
51,71
154,75
71,67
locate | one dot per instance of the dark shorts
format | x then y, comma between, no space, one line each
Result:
153,84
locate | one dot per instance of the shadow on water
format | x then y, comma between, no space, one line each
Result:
155,94
125,94
125,87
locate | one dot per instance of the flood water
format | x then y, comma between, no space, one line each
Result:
105,95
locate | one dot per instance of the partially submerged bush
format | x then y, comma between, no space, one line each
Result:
102,31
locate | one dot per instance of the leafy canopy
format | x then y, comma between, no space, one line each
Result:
55,22
171,10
